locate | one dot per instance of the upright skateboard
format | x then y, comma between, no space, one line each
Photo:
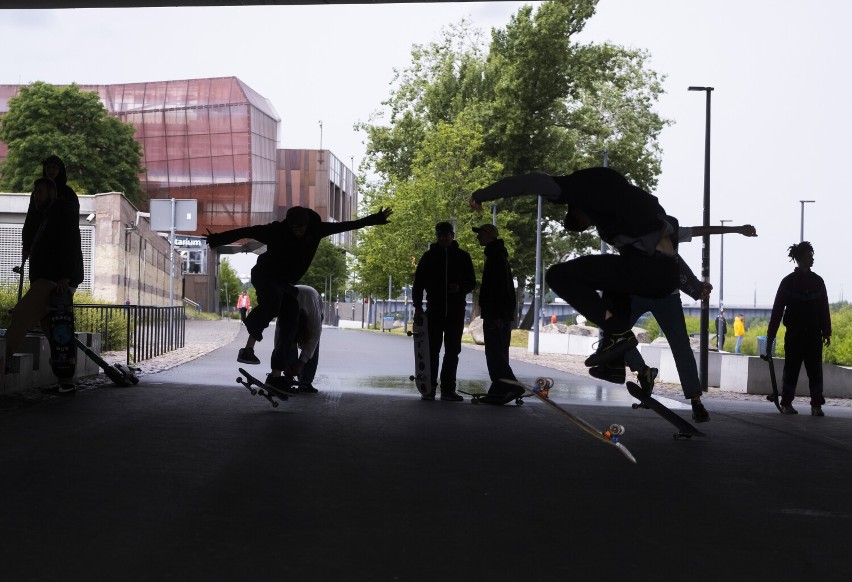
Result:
775,397
609,436
60,334
255,386
422,376
684,429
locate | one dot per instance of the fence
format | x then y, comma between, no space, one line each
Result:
142,331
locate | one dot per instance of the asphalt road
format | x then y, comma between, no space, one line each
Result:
187,476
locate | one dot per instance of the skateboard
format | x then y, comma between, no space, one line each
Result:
60,334
609,436
422,376
476,397
119,374
255,386
775,397
684,429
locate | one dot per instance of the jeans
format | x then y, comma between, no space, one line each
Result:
498,336
739,346
445,328
578,281
802,348
669,314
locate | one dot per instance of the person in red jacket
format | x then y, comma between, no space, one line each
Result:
802,300
290,248
243,305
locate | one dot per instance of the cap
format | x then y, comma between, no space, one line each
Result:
487,228
443,228
297,216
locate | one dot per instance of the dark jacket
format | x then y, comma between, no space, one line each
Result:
438,268
803,300
51,236
287,257
497,292
615,206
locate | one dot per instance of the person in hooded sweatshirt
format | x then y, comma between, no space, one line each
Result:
51,242
497,305
445,273
290,248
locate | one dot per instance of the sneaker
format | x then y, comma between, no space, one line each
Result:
246,356
307,388
613,371
504,396
430,396
282,384
817,411
788,409
452,396
611,346
60,390
699,413
646,379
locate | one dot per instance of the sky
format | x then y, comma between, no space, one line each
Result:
780,127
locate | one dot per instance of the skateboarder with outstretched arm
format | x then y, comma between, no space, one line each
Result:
290,248
627,218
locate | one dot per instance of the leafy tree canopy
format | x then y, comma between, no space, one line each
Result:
330,261
99,151
534,99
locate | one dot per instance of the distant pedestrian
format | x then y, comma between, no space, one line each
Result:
445,273
243,304
497,304
721,329
739,332
802,301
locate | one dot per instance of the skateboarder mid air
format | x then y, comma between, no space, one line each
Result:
290,248
627,218
445,273
802,301
51,242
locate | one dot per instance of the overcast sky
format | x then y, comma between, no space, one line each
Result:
780,121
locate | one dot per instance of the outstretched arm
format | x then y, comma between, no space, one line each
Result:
745,230
525,184
380,217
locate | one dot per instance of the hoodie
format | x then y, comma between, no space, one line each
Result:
497,292
438,269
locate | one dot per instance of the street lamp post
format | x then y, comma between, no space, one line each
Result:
705,243
802,221
722,265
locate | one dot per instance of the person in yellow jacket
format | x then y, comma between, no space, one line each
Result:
739,332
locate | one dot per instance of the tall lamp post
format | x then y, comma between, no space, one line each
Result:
802,221
705,244
722,265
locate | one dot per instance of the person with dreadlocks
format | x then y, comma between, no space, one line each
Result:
802,300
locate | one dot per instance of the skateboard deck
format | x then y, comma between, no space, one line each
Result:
255,386
684,428
119,374
60,335
422,376
476,397
775,397
609,436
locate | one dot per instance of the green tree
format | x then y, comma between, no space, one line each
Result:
99,151
229,285
330,261
542,102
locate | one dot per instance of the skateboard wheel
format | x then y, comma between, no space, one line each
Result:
274,404
519,401
635,406
541,382
616,429
549,382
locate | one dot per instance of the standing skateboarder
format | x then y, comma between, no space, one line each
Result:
445,273
802,300
290,248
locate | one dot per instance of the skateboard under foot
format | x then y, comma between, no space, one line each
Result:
684,428
255,386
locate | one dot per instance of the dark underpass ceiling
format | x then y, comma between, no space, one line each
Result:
36,4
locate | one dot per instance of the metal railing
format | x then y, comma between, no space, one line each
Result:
141,331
